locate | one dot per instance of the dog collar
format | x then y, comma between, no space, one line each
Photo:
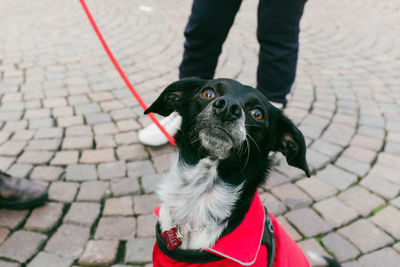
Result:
250,232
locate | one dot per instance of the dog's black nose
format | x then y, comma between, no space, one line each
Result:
227,109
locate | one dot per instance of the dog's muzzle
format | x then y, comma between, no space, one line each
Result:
221,127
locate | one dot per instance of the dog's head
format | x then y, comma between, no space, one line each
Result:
225,119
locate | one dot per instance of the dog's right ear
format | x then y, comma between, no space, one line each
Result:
172,98
290,142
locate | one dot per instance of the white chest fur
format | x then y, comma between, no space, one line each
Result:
195,196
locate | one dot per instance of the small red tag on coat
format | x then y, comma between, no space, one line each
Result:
171,238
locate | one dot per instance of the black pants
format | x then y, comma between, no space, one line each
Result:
277,33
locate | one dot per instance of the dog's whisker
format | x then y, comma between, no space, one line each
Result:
251,138
195,140
248,154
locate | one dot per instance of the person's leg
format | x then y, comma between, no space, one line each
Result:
278,35
205,33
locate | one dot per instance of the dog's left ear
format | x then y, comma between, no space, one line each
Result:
290,141
172,98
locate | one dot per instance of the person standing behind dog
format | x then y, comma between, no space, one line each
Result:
206,31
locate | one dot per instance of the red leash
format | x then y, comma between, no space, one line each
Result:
122,74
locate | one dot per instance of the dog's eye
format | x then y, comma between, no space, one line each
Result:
257,114
208,94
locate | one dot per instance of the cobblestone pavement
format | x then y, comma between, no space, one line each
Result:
68,121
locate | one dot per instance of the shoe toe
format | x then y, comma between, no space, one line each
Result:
152,135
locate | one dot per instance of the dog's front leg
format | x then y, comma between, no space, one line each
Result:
165,218
168,230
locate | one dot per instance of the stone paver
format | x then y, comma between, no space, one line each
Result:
65,158
316,160
46,173
12,148
3,234
44,144
316,188
291,195
105,128
150,182
352,165
274,205
397,246
125,186
81,172
396,202
275,178
335,212
96,118
104,141
340,247
116,228
289,228
388,160
132,152
145,204
44,218
385,172
69,241
20,170
365,235
381,187
337,177
140,168
126,138
111,170
8,264
12,218
361,154
122,206
385,257
63,191
99,253
48,259
35,157
384,219
92,191
146,225
79,130
308,222
97,156
49,133
361,200
30,241
80,142
82,213
128,125
68,121
138,250
312,245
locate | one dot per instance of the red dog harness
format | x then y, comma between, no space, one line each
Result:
246,245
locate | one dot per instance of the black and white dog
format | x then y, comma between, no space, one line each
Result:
228,130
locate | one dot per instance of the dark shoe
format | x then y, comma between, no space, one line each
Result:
16,193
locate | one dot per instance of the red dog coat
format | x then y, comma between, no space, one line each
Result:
241,247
